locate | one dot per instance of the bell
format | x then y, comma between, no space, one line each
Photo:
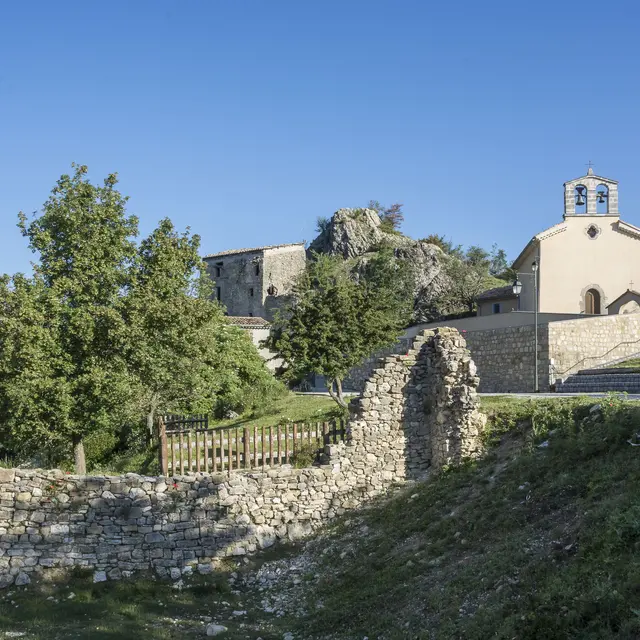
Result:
579,200
602,198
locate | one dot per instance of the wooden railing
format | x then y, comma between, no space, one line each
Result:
188,445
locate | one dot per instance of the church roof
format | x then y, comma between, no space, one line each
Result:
591,175
629,229
622,295
551,231
497,293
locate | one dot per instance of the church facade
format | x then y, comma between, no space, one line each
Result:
587,264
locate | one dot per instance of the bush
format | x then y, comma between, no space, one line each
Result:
305,455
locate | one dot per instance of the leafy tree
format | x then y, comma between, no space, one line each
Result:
322,224
83,239
106,332
446,245
498,266
478,258
181,353
338,317
392,217
168,313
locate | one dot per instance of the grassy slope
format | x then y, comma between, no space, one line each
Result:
633,363
292,408
543,546
531,542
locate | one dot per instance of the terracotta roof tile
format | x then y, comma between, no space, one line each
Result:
497,292
248,322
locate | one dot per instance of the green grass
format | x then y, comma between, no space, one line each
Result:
126,610
633,363
292,408
530,542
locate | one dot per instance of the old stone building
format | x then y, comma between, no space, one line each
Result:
255,282
584,263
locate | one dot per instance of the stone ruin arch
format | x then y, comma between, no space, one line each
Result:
418,411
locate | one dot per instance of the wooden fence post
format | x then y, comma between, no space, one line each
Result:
162,447
247,449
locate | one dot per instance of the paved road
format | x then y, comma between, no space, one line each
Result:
532,396
541,396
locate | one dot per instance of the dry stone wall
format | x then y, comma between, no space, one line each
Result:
418,412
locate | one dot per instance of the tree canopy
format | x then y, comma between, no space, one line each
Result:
107,331
339,316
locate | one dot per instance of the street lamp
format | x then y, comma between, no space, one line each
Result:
517,289
534,270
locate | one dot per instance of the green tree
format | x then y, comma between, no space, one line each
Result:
339,317
391,217
83,239
106,332
170,317
181,353
446,245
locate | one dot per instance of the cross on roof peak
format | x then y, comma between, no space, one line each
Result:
590,170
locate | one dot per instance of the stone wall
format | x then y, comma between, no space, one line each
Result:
592,342
505,358
418,412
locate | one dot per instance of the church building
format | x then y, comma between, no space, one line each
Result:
586,264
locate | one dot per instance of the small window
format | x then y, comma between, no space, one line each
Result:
251,292
496,307
250,314
218,269
593,232
218,293
257,269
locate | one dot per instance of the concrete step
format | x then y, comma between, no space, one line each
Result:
593,381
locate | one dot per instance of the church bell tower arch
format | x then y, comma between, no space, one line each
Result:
591,195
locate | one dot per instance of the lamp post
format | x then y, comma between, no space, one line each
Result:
517,289
534,270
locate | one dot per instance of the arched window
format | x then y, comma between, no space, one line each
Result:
580,194
592,302
602,199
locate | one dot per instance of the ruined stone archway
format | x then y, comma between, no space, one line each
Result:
418,411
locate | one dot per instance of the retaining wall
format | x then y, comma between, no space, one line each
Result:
418,412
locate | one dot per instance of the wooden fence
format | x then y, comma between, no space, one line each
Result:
188,445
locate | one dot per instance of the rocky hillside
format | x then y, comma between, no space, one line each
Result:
355,234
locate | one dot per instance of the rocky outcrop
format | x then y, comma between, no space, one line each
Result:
355,234
350,233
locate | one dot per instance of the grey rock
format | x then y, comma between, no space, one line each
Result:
22,579
216,629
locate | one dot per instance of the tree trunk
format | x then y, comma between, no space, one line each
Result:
150,425
336,393
78,455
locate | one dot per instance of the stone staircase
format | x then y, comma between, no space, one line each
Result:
601,380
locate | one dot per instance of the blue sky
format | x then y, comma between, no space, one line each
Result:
247,120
